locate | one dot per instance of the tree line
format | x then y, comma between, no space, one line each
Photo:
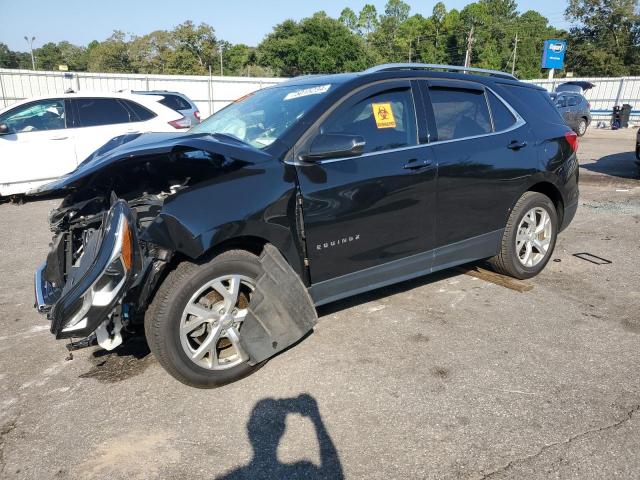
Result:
604,39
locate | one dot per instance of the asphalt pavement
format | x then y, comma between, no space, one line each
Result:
444,377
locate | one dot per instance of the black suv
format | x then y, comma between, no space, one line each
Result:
223,240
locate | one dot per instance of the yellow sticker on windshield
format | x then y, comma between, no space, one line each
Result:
383,114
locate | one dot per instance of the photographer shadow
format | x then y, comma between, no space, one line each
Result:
265,428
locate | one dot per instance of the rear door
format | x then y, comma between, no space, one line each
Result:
378,207
39,146
572,111
98,120
485,154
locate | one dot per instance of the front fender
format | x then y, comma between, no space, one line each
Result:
256,201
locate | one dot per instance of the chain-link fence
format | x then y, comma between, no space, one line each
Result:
208,92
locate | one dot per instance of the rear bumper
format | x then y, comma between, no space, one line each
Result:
569,213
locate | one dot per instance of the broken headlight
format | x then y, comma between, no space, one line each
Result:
109,264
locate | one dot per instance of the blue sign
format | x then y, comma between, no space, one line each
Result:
553,54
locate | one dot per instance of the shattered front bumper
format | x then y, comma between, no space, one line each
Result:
98,282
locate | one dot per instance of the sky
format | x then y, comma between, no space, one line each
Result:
239,21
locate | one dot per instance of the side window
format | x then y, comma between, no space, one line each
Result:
502,117
93,112
36,116
140,112
385,120
459,113
175,102
573,101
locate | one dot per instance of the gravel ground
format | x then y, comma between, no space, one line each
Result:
443,377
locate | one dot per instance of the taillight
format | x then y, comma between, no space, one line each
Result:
572,138
182,122
197,114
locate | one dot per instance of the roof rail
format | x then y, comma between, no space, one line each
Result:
432,66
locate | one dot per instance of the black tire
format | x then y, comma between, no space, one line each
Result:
581,128
162,320
507,261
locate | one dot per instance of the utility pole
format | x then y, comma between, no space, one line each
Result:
221,70
30,43
467,57
515,52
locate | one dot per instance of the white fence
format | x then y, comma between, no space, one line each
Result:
213,93
209,93
607,93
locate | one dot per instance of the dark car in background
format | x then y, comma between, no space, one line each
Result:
223,240
574,108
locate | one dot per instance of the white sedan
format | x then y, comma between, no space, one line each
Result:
44,138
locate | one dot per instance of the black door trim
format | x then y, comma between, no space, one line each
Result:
465,251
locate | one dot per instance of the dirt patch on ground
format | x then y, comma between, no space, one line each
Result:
130,359
133,455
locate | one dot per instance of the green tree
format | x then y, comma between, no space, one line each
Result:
350,20
368,19
73,56
8,58
48,57
604,38
196,46
317,44
112,55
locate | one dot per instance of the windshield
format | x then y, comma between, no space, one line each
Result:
260,118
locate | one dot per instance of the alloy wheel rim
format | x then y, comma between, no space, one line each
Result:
582,127
533,237
211,322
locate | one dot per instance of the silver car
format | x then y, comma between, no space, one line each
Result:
176,101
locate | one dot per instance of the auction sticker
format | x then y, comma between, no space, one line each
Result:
307,91
383,113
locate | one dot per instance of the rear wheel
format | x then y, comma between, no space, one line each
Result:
582,127
529,237
194,323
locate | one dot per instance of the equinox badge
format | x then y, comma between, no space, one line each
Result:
335,243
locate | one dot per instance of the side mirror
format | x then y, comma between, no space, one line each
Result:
4,129
334,145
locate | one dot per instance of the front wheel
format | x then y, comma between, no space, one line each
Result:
194,323
529,237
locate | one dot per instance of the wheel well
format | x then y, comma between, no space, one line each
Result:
551,191
251,244
248,243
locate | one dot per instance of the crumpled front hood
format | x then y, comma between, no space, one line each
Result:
126,147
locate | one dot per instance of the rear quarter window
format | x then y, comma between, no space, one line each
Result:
533,104
502,117
175,102
140,112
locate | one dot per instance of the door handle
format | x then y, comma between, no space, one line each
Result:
58,138
516,145
416,165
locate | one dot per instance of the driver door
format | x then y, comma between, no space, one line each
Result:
38,146
364,215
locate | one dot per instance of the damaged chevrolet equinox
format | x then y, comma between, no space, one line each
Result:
223,240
